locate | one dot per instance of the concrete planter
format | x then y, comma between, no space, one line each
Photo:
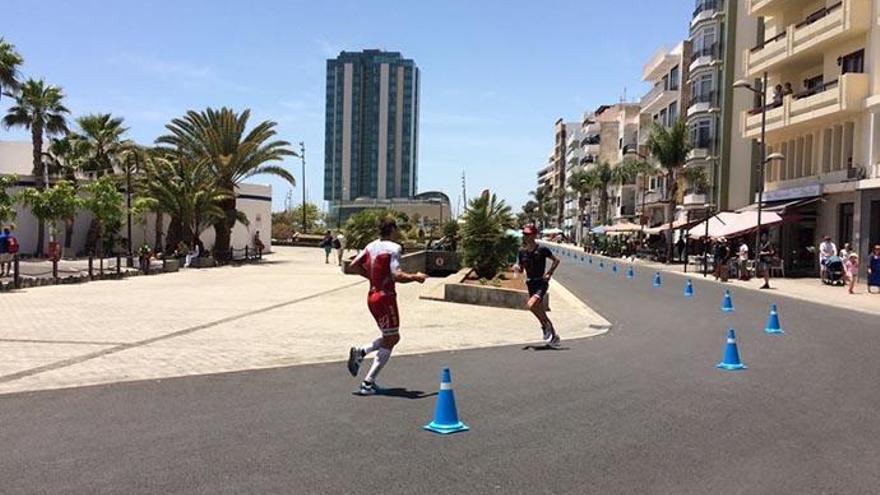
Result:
486,295
203,262
172,265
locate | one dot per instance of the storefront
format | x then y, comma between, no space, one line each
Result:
796,238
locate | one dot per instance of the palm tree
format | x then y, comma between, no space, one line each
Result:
184,190
644,170
601,177
66,156
103,134
220,137
10,60
670,148
583,184
540,195
38,107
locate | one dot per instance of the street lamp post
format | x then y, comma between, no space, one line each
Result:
762,93
302,156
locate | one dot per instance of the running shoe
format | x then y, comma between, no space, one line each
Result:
547,334
355,357
555,342
368,388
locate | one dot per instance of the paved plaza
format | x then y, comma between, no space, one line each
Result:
290,309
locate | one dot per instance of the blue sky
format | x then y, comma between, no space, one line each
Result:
495,74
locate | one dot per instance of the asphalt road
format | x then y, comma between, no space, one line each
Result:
641,409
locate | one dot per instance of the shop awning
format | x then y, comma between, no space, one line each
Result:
782,207
623,227
676,225
731,224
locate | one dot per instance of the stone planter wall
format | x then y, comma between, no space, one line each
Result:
486,295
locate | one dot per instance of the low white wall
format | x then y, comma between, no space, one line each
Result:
254,200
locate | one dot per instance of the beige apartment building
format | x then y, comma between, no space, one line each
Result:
607,133
667,72
823,115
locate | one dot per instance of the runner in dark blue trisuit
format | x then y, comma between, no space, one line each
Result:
532,260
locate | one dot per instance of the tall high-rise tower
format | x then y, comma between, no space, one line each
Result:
372,121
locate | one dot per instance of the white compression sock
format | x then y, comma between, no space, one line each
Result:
382,357
374,346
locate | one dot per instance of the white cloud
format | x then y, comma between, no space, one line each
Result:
177,71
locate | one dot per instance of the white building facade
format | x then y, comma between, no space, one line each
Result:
254,200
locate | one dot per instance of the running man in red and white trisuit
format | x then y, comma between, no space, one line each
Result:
532,261
379,262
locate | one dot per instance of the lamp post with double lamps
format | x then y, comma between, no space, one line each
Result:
762,93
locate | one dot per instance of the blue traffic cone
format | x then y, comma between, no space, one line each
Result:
773,326
731,360
601,265
630,273
445,414
688,288
657,282
727,303
614,268
590,260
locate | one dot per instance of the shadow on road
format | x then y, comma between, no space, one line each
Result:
544,348
401,393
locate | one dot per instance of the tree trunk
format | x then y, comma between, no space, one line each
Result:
669,215
223,230
159,228
39,180
176,233
68,233
603,205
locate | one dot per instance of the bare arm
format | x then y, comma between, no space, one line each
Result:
402,277
553,267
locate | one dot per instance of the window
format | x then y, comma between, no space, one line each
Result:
674,76
672,113
852,63
845,223
701,134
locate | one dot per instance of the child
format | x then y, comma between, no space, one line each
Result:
852,270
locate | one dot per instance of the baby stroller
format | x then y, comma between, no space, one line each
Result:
833,271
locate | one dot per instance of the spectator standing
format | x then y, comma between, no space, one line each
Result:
787,90
874,269
852,271
721,256
337,245
5,257
827,249
744,260
258,244
327,244
765,256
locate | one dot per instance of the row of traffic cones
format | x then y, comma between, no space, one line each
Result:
731,360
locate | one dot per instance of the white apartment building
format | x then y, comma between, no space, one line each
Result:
667,73
719,31
822,60
574,156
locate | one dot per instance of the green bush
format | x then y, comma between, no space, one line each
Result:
485,245
363,227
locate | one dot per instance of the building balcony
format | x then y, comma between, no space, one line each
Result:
758,8
652,197
592,149
593,128
657,99
809,38
694,199
838,98
705,56
707,9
